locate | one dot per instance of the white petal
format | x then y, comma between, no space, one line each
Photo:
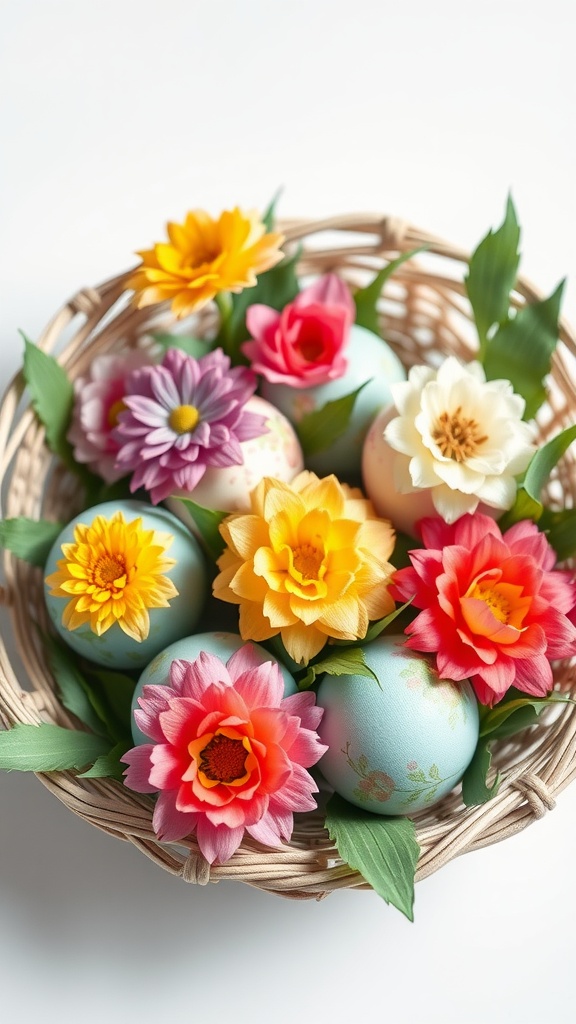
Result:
452,504
498,491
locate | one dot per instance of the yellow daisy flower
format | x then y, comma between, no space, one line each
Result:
308,562
203,257
112,572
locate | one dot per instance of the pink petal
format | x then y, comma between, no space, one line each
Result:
170,824
137,775
217,842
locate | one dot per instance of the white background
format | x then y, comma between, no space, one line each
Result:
118,116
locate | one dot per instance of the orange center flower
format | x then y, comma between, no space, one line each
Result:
223,757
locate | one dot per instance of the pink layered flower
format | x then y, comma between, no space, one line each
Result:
228,754
98,401
493,607
304,344
181,417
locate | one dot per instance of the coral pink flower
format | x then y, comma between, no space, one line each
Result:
98,400
304,344
182,417
229,753
494,608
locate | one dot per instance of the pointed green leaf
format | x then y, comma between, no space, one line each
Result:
522,348
384,850
377,627
527,504
48,748
207,521
117,690
269,218
560,529
475,788
319,429
73,687
108,766
196,347
52,396
492,274
29,539
511,716
347,661
366,299
276,288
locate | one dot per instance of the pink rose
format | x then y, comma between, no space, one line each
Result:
303,345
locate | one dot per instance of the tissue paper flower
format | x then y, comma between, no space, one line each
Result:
98,401
304,344
229,753
203,257
181,417
308,562
113,572
459,435
494,608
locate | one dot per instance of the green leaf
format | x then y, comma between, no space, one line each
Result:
366,299
30,539
319,429
52,396
48,748
492,272
117,689
527,504
108,766
269,217
560,528
384,850
73,687
475,788
276,288
522,348
196,347
207,521
511,716
347,661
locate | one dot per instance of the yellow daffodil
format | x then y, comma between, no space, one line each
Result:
203,257
308,562
112,572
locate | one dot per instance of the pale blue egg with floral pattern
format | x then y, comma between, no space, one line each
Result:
370,359
114,648
221,645
398,747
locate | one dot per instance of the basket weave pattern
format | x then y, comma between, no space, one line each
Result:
424,312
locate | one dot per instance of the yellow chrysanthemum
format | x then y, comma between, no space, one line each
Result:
112,572
203,257
308,562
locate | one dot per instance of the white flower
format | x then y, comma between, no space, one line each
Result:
460,436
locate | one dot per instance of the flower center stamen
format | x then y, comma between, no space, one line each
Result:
457,436
497,603
109,571
307,561
223,759
114,411
183,419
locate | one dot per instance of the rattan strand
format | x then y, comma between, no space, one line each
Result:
423,310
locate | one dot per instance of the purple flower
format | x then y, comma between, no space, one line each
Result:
181,417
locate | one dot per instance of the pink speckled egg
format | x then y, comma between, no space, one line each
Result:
276,453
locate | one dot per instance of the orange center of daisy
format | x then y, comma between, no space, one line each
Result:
110,571
114,411
223,759
183,418
457,436
307,561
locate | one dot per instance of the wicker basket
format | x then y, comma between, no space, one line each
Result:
423,311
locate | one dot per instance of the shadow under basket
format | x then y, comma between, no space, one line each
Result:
424,315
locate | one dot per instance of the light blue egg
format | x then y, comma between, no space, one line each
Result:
222,645
115,649
369,359
399,747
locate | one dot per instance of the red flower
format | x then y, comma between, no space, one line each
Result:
494,608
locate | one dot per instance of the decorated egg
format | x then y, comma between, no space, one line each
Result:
380,483
397,747
123,580
276,453
222,645
370,360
